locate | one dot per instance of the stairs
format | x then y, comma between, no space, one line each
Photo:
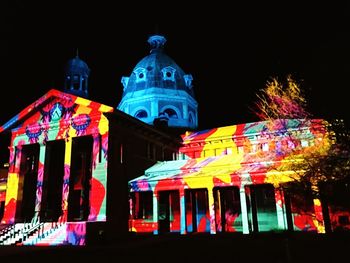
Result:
51,234
45,234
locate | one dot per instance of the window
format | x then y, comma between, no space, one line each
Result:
188,80
142,205
141,114
125,81
168,73
265,147
140,74
171,113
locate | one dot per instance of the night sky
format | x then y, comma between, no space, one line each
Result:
231,50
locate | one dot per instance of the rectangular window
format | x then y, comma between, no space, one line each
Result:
265,147
142,205
27,182
51,207
229,150
80,178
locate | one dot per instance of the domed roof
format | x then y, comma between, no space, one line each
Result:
77,66
158,70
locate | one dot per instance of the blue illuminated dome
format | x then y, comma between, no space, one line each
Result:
158,88
76,77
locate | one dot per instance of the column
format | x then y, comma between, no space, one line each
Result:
318,212
40,179
154,108
211,206
182,212
12,186
244,210
65,188
185,111
80,82
155,212
280,209
71,86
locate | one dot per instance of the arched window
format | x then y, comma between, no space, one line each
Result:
168,73
171,113
140,74
141,114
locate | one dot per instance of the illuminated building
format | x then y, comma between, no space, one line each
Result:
232,179
81,172
158,87
70,162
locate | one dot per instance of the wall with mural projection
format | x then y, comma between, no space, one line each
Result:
57,167
232,179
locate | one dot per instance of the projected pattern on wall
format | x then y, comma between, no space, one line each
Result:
230,179
58,160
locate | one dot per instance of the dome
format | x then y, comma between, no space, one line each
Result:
77,66
158,70
158,87
76,77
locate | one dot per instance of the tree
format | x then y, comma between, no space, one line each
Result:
317,166
281,101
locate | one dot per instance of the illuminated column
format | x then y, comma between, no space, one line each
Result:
71,86
12,186
280,208
40,179
245,222
80,82
155,212
86,83
154,108
211,210
182,212
65,189
319,222
185,111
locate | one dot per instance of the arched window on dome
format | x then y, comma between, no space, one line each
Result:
171,113
141,114
140,74
168,73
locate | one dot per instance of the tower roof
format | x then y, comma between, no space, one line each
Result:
158,70
77,66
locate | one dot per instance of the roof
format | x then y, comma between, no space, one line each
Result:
153,64
44,100
77,66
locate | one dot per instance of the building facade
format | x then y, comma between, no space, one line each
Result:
233,179
159,88
70,161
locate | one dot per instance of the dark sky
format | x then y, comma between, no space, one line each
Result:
231,50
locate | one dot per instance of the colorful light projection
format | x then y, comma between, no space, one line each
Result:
62,117
232,177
